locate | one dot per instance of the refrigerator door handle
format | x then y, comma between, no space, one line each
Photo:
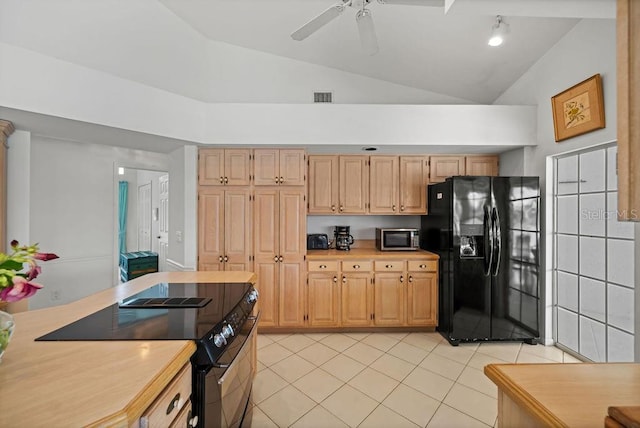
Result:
495,217
487,227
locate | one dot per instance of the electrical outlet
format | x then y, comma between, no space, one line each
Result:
55,294
178,236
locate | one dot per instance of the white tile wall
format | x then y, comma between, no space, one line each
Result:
612,176
592,214
620,261
592,339
568,253
615,228
568,291
567,175
592,257
620,346
592,167
592,298
620,307
568,329
567,214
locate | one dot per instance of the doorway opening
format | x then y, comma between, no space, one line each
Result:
143,220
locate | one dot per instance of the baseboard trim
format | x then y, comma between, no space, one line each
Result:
178,267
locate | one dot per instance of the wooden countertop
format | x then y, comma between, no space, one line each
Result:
109,383
369,253
571,395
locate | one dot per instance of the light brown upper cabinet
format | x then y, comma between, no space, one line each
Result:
482,165
279,167
445,166
224,167
338,184
397,184
224,240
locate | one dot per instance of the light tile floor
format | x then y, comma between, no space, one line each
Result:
381,380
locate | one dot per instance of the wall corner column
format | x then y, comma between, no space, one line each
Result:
6,129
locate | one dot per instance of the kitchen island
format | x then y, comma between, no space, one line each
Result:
563,395
98,383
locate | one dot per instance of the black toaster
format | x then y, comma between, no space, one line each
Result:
317,241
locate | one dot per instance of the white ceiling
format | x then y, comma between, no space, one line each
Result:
420,47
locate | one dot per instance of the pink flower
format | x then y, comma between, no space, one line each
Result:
34,272
21,289
45,256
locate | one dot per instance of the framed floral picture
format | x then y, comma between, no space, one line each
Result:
579,109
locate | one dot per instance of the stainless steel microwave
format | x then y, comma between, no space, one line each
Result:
397,239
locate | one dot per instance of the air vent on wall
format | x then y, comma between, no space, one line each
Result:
322,97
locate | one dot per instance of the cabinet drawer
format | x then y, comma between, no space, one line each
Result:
324,266
357,266
168,404
389,266
423,265
184,418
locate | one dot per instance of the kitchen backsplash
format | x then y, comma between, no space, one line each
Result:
362,226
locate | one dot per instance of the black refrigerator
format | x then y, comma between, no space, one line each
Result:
486,231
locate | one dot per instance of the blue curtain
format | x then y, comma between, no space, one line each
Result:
122,215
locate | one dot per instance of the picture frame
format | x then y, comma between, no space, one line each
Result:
579,109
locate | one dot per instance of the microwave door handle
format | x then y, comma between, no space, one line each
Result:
497,241
487,227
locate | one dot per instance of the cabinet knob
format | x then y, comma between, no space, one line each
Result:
193,421
322,266
335,279
276,179
174,403
280,258
410,278
356,266
401,278
344,279
275,259
333,208
388,266
423,266
341,208
401,207
226,258
226,180
220,259
393,207
281,180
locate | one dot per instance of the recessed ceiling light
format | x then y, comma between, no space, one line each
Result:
498,30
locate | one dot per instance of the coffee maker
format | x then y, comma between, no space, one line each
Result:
342,238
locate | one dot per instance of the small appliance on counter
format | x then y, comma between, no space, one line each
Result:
343,238
317,241
397,239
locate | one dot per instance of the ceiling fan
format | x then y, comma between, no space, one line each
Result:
364,20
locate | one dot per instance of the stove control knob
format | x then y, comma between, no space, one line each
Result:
219,340
227,331
253,296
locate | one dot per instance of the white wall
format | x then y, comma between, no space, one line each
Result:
589,48
72,210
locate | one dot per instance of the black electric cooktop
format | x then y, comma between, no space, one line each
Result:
165,311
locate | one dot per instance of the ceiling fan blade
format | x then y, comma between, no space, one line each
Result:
318,22
367,32
430,3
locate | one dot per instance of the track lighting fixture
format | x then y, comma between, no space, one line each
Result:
498,30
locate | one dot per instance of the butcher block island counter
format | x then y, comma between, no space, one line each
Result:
567,395
91,383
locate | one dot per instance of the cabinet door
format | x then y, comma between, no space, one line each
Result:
422,298
414,176
357,299
389,298
293,225
354,184
292,167
292,297
237,236
237,167
323,184
383,184
268,286
266,166
442,167
482,165
210,229
324,299
211,167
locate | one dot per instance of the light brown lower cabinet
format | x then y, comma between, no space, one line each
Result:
172,406
366,293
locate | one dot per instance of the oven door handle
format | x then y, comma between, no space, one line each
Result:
244,345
